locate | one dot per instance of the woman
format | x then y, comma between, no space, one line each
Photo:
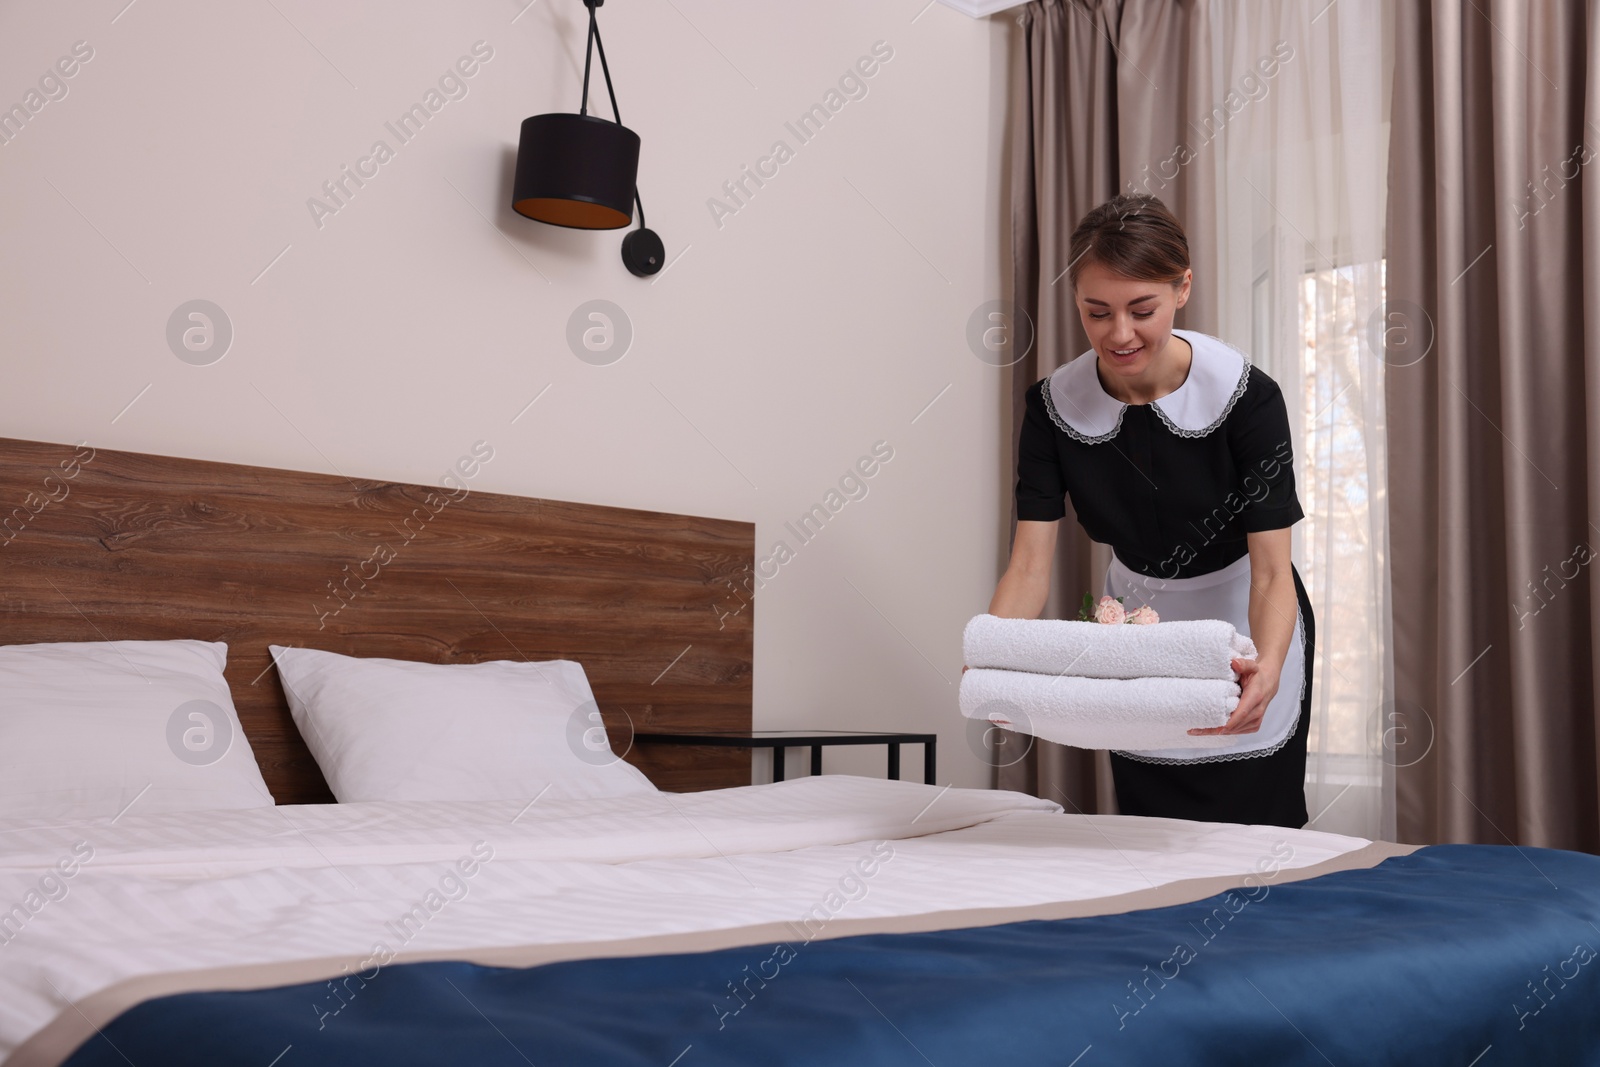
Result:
1175,452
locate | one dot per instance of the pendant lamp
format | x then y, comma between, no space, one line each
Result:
581,171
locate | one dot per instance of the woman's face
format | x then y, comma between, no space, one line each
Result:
1129,322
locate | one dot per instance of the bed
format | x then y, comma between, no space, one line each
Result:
821,920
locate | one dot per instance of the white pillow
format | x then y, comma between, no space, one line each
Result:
89,729
389,729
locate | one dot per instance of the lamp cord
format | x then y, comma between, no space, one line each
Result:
605,68
588,56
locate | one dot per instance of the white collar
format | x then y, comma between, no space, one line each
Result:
1080,405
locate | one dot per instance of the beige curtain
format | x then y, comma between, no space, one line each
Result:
1494,393
1261,124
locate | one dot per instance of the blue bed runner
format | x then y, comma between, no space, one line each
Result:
1470,955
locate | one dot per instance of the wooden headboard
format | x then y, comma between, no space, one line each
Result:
98,545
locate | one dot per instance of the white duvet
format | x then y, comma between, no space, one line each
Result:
160,893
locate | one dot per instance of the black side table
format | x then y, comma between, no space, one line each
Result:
782,740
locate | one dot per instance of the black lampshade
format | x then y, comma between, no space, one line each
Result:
576,170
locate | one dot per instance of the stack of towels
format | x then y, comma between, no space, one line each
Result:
1104,686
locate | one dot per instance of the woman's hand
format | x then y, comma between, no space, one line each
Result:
1258,684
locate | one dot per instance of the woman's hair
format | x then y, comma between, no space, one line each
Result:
1134,236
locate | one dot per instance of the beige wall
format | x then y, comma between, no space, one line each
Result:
384,339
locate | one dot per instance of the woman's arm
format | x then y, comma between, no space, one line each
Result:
1025,586
1273,606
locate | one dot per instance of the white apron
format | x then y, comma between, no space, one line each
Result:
1221,594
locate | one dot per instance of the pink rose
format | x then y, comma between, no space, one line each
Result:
1109,611
1144,616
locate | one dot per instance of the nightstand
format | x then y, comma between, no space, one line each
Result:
781,741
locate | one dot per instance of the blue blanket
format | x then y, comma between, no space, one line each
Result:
1456,954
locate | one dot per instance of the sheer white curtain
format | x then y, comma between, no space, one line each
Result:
1300,179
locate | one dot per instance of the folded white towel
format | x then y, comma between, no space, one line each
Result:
1095,713
1203,648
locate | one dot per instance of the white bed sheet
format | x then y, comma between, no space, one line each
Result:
180,892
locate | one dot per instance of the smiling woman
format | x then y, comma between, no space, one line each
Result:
1207,437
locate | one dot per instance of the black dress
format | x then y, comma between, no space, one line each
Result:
1174,487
